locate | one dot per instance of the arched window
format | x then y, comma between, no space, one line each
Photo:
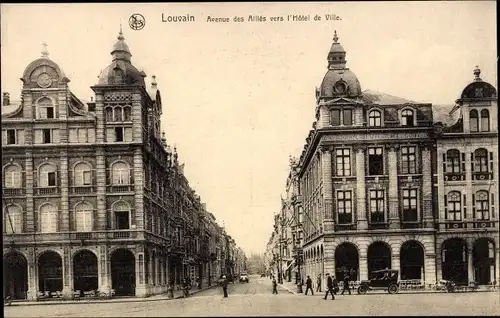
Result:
481,160
482,206
109,114
83,174
407,118
120,173
45,108
127,112
474,120
118,115
375,118
47,175
454,206
12,177
485,120
453,156
13,219
83,217
121,211
48,218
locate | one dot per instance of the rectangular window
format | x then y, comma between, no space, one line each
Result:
122,220
87,177
410,212
377,206
91,135
128,134
51,179
344,207
82,135
408,160
335,117
347,118
343,162
47,136
11,137
73,135
118,134
375,161
50,112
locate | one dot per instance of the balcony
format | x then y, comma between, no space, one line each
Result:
472,225
68,237
454,176
482,175
120,188
47,191
82,189
345,227
12,192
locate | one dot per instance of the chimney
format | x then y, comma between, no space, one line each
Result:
6,99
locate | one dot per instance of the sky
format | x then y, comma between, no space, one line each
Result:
239,97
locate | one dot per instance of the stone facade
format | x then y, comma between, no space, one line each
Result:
94,199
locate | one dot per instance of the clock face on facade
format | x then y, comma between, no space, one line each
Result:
340,87
44,80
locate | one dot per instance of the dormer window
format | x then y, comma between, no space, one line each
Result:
341,117
45,109
375,118
474,121
485,120
407,118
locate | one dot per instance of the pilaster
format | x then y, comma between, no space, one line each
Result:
326,165
138,218
468,214
430,270
67,274
140,279
32,275
104,278
360,188
64,205
470,265
363,268
394,220
30,209
102,215
427,187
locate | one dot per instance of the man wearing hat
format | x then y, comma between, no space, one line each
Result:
224,285
329,286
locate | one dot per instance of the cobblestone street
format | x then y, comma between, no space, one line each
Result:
255,298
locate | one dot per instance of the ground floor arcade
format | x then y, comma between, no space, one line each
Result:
424,257
121,270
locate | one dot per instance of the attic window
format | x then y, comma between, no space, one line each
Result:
45,109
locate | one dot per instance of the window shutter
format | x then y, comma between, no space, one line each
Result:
110,135
491,162
55,136
38,136
444,163
91,135
463,162
472,161
20,137
128,134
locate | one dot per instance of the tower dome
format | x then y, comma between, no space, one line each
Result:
339,80
121,71
478,89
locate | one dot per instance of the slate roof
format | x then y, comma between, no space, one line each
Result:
377,98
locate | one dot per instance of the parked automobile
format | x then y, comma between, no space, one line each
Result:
386,279
244,278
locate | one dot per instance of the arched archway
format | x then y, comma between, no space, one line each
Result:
379,257
346,259
85,271
15,275
411,260
454,260
483,258
50,272
123,272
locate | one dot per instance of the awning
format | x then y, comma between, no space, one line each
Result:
286,267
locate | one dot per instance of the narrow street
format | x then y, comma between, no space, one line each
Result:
255,298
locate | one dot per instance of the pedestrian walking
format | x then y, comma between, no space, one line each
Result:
224,285
185,288
170,289
275,287
318,285
309,285
329,286
346,286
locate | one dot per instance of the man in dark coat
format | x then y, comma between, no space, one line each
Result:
329,286
346,284
275,286
309,284
224,286
318,284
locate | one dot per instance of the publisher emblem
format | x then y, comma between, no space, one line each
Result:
136,21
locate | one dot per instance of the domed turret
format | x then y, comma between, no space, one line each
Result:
478,89
338,81
44,73
121,71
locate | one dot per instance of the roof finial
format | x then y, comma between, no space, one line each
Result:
477,72
335,37
45,52
120,34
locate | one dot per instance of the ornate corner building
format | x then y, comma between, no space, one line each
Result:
93,197
384,183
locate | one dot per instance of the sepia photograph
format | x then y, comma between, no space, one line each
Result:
250,159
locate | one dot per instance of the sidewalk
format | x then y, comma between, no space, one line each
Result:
292,288
177,294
